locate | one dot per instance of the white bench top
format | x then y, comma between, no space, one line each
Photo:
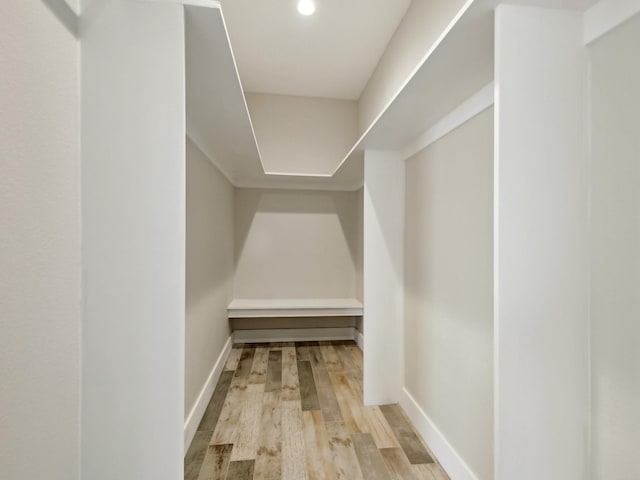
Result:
294,307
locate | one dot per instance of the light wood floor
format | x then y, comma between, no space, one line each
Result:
294,412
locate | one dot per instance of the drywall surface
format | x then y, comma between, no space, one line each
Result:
360,243
302,134
209,270
448,333
541,253
295,244
383,276
615,253
421,26
40,311
133,219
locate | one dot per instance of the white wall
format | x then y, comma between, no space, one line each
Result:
421,26
383,276
615,253
39,244
295,244
133,219
302,134
541,270
448,333
360,243
209,270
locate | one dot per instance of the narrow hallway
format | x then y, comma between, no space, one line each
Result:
295,411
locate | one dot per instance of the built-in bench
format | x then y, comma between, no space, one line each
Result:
265,320
294,307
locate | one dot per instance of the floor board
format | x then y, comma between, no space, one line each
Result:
408,439
308,391
397,463
286,411
241,470
258,373
233,359
246,443
274,371
195,455
212,413
268,464
216,463
290,382
343,453
245,362
294,461
317,449
369,457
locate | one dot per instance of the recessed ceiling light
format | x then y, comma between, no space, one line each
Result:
306,7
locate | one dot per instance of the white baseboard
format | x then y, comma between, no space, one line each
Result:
198,409
359,338
293,335
448,457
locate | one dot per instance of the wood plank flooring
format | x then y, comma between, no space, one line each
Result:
294,411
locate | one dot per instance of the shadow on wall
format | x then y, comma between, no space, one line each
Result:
296,202
209,231
384,213
65,14
76,20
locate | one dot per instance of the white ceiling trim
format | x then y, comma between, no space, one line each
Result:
606,15
471,107
360,143
195,3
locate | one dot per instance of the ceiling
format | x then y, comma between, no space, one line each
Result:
329,54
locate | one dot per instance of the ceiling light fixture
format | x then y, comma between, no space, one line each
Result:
306,7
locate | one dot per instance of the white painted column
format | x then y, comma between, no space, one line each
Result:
541,273
133,215
383,276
